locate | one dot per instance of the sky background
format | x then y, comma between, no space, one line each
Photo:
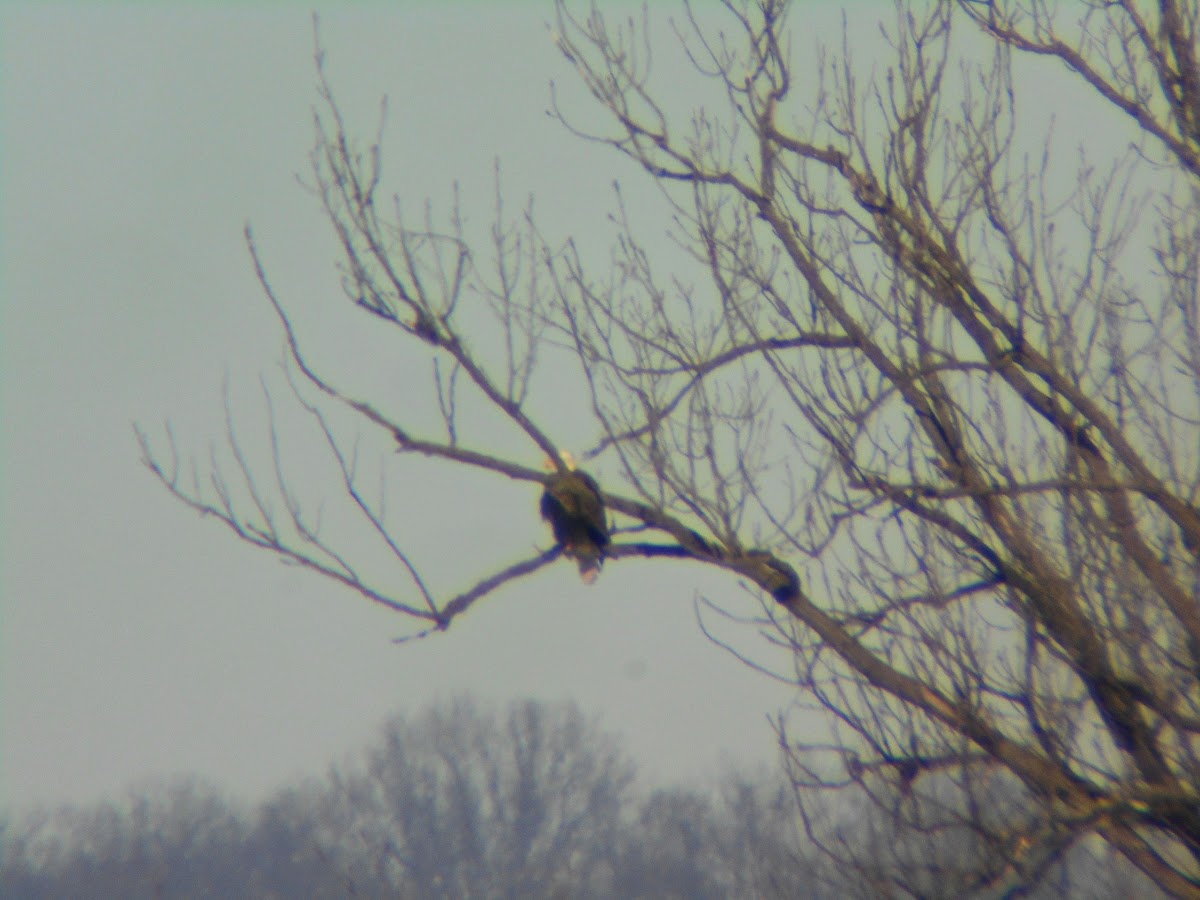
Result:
141,640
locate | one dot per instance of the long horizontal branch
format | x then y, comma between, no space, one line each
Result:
708,366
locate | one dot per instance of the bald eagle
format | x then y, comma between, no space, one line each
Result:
572,505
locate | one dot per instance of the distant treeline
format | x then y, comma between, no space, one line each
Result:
532,801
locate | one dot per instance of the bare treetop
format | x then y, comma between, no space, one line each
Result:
940,406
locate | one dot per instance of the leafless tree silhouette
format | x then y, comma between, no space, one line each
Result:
464,803
938,399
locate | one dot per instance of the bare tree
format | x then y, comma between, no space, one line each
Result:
938,398
462,803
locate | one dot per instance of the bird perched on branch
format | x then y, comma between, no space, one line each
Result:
571,503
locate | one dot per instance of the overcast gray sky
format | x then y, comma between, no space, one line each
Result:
140,640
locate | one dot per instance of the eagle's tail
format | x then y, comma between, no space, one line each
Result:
589,560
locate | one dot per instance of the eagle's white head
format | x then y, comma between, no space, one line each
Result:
549,465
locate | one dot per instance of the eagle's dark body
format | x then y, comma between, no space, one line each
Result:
572,505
